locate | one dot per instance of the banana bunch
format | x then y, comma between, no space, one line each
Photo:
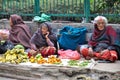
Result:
14,56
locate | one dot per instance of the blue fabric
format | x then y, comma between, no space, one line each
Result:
71,37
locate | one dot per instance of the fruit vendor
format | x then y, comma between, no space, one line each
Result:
45,40
103,43
19,33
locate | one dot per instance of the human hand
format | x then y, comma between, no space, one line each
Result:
32,52
102,52
46,36
33,46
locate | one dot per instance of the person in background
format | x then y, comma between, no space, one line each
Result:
103,43
19,32
45,40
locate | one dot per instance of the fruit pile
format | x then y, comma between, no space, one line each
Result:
15,56
53,60
40,60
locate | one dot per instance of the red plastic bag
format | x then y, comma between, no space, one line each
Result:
69,54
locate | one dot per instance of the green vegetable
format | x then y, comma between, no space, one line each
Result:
73,63
77,63
83,64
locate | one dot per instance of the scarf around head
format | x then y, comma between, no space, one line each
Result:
19,33
39,39
107,35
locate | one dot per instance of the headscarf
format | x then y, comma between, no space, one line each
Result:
39,39
107,35
19,33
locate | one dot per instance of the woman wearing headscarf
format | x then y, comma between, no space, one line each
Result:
45,40
19,33
103,43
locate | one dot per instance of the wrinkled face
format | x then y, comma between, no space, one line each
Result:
10,22
100,24
44,29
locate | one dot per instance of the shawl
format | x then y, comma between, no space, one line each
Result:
19,33
107,35
39,39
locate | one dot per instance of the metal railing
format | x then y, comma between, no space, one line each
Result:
60,8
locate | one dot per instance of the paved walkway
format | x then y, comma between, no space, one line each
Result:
110,67
41,71
3,78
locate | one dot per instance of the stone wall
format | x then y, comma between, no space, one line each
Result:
4,23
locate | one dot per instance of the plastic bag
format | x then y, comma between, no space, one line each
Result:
5,45
43,18
69,54
4,34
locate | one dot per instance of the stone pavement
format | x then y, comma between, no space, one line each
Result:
109,67
101,71
3,78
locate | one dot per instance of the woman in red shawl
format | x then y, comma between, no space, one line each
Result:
103,43
45,40
19,33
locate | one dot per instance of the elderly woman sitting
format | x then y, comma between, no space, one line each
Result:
44,40
103,43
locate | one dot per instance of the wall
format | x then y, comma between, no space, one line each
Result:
4,23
